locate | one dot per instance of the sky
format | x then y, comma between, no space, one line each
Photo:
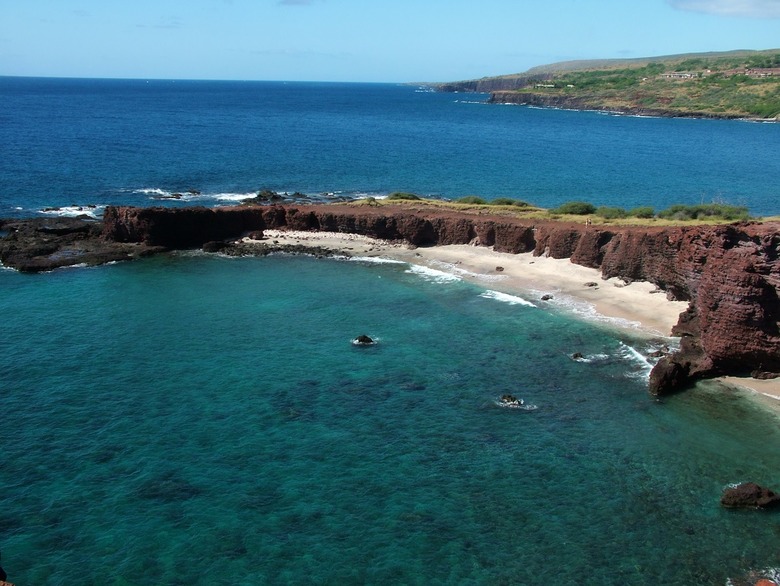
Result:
361,40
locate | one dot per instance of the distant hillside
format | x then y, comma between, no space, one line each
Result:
733,84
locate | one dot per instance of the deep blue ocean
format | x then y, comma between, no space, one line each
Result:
195,419
99,142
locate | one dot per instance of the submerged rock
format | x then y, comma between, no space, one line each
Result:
749,495
363,340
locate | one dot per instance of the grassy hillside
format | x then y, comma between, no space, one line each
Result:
733,84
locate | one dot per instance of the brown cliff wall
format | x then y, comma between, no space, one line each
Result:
730,274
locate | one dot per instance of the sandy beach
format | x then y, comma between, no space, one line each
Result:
638,306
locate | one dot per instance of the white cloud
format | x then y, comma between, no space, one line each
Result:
747,8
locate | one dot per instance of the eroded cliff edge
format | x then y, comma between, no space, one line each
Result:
729,274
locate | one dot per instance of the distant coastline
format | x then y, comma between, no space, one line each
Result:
737,85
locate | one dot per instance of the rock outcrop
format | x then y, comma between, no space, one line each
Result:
729,274
749,495
44,244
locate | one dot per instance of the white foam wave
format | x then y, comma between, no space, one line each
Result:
591,358
505,298
93,211
455,269
432,274
232,196
587,311
377,260
153,191
641,362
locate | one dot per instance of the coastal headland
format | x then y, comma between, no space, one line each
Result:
720,281
731,84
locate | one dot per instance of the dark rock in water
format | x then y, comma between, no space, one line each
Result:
749,495
591,284
674,372
499,269
577,356
546,297
214,246
363,340
44,244
668,376
661,352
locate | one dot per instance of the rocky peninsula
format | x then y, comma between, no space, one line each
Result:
727,274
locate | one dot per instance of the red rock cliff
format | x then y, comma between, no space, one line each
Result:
730,274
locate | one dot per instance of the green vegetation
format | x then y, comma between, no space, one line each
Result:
506,201
710,213
705,211
472,199
609,213
401,195
642,212
575,208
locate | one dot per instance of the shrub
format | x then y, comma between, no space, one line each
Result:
508,201
609,213
704,211
403,196
644,212
472,199
576,208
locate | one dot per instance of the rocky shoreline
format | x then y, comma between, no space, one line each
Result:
728,274
562,102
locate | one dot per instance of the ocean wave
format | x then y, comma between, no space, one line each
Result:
377,260
233,196
505,298
591,358
586,311
433,275
93,211
642,366
449,267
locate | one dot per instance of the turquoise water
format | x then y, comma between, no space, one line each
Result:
201,420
